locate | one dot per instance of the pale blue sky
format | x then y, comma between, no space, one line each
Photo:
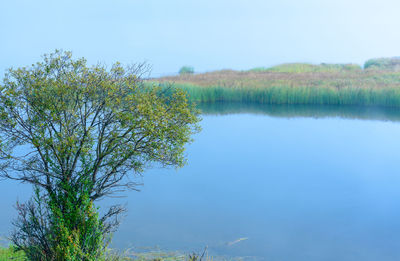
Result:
207,34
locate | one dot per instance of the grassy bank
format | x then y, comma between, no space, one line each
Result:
10,253
325,84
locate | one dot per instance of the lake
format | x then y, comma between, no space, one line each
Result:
266,182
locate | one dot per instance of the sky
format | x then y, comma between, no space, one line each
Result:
206,34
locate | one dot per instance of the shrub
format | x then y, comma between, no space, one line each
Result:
60,227
258,69
12,253
383,63
186,70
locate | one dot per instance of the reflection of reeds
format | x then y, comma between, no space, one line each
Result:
311,111
331,86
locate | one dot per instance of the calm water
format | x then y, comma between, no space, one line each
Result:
299,183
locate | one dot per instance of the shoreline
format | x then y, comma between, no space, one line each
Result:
300,84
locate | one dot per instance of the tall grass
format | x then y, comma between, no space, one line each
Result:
325,84
295,95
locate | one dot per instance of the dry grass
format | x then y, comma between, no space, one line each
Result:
294,84
263,79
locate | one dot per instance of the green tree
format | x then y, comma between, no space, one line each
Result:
186,70
76,132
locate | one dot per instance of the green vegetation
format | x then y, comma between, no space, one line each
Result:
186,70
83,130
259,69
305,67
11,254
325,84
292,95
383,64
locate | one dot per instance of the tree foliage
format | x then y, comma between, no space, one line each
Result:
45,232
77,132
186,70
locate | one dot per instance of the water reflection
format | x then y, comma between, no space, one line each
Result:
293,111
272,183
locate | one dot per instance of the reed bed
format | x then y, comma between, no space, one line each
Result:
293,84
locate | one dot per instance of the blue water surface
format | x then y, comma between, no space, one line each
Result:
292,187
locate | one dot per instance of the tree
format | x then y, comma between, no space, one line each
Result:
186,70
76,133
